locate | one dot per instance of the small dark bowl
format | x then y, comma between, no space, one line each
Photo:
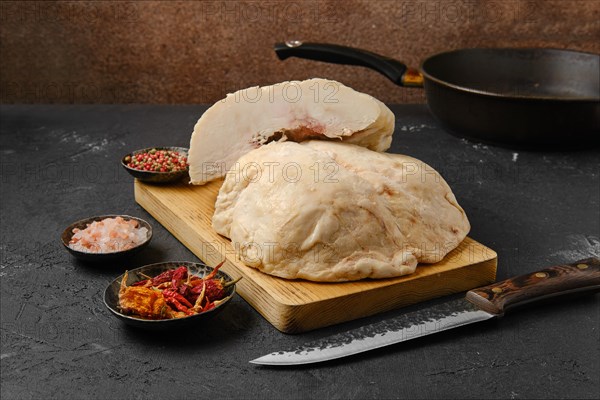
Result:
100,257
111,296
156,177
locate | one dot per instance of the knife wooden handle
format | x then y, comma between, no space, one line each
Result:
580,276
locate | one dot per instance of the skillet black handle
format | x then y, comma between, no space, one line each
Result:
394,70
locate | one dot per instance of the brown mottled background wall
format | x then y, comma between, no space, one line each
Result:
195,52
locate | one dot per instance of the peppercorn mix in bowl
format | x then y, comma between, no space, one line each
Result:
157,164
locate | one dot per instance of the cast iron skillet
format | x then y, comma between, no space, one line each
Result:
527,98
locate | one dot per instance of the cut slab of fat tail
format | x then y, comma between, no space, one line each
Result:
295,111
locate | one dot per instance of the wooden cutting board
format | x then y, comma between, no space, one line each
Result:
294,306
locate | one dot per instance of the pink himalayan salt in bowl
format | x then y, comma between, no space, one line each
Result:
106,237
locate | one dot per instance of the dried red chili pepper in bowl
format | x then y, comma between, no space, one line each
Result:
169,295
157,164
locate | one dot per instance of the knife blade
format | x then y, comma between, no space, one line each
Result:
478,305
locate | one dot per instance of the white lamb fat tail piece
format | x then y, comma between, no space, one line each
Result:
295,111
333,212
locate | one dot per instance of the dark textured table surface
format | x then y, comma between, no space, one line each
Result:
61,164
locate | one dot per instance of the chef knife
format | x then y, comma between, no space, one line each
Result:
478,305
